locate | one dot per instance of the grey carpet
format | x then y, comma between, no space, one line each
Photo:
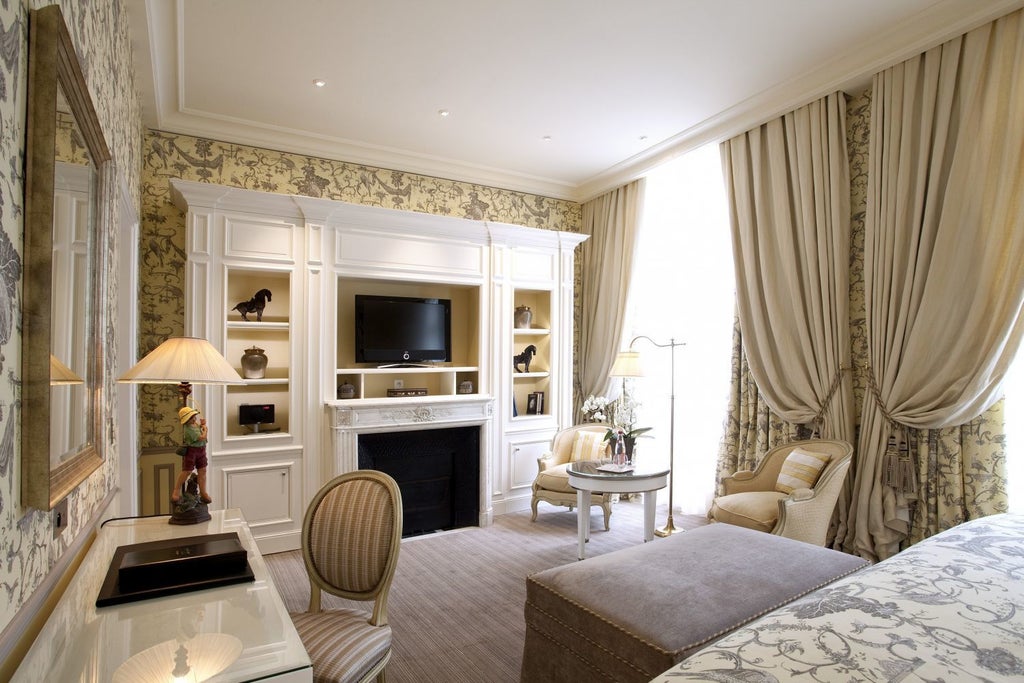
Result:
456,604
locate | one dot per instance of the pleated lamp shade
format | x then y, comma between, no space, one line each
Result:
62,374
181,361
197,659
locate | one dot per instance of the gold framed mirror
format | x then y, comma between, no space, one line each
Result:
66,157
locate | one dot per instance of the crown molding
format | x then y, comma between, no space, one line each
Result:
849,72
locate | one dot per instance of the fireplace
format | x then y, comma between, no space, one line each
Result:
437,470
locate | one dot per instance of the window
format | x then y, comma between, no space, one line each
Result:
683,288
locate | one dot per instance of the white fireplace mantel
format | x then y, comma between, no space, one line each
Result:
350,418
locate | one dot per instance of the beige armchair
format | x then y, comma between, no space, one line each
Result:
752,500
552,482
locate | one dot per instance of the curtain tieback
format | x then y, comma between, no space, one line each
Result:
837,381
898,470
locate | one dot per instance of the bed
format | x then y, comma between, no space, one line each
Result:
950,608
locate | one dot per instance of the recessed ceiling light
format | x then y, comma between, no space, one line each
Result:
546,138
642,138
319,82
443,113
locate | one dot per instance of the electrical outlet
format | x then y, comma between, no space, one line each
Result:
60,517
399,383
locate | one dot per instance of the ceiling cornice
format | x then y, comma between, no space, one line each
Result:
939,23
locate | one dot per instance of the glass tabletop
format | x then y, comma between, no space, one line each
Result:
592,468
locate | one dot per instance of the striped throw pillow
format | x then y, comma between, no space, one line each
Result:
800,470
587,446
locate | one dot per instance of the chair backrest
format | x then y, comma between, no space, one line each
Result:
351,536
561,443
811,523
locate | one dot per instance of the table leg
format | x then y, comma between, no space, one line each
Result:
582,519
650,505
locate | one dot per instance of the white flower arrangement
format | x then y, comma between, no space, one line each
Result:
620,414
595,408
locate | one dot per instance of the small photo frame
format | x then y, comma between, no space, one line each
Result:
531,404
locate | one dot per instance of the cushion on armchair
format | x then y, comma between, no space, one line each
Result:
758,510
555,479
587,446
800,470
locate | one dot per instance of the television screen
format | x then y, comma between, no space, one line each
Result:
392,329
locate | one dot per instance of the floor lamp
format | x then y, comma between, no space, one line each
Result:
627,364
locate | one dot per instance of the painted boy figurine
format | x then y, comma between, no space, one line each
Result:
194,437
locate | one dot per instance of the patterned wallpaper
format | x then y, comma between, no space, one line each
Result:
162,260
99,30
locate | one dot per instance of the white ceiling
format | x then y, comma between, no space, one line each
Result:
617,85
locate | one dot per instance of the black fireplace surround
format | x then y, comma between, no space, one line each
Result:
438,473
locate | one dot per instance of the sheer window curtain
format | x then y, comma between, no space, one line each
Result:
943,248
612,221
683,288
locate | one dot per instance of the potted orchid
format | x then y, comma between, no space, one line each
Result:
620,415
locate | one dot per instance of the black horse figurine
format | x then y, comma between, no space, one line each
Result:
254,305
525,357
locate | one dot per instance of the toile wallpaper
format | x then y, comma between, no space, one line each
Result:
99,30
162,261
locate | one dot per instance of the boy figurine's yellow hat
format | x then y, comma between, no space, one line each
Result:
185,414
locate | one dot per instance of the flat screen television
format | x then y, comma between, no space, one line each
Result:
402,330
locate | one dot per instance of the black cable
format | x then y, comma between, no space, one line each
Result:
119,519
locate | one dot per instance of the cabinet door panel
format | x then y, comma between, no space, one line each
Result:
264,494
524,461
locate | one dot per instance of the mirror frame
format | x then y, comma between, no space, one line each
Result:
53,63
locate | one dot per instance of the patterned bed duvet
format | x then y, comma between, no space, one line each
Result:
950,608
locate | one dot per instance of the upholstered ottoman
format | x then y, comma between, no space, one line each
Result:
631,614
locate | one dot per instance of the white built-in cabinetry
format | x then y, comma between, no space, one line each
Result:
315,255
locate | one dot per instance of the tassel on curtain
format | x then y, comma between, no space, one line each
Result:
899,471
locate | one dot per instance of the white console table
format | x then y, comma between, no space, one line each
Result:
240,632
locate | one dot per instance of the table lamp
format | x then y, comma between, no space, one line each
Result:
185,361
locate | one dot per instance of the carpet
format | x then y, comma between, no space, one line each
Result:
456,603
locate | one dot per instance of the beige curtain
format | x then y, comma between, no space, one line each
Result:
612,221
751,427
943,247
789,195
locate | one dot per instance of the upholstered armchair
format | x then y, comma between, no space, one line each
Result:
351,536
580,442
791,493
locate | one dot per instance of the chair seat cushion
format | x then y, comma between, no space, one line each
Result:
555,479
341,643
757,510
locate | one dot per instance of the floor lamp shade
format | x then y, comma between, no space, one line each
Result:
627,364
